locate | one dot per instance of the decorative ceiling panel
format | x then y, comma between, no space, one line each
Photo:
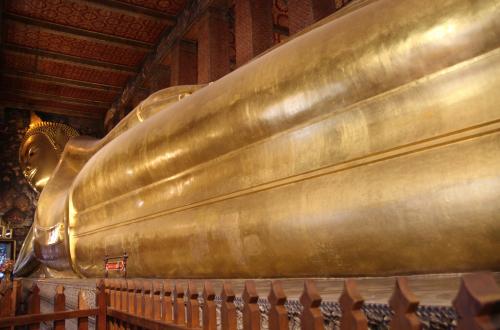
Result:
78,52
41,87
41,65
6,96
35,37
21,62
171,7
92,17
80,72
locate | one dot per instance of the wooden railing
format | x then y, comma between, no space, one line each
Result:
163,304
33,318
10,296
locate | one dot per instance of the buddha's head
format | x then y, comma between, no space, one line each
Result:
41,149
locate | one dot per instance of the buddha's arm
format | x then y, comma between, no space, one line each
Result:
362,147
155,103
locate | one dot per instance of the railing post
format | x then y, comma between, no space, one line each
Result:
311,317
148,300
16,296
478,302
113,293
83,322
108,288
228,309
34,304
167,301
122,302
193,307
138,298
209,307
157,300
278,315
130,296
6,301
101,306
251,312
404,304
59,306
123,295
179,309
353,318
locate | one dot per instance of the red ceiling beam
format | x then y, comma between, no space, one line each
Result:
60,81
60,99
69,58
132,9
55,110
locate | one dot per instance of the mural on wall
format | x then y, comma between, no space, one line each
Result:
17,199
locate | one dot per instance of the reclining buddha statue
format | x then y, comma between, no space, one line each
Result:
368,145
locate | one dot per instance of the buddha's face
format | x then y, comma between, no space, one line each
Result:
38,160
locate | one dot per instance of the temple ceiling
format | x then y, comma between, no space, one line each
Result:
74,57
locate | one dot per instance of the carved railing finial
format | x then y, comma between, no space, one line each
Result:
251,312
404,304
351,302
478,302
228,309
311,317
278,315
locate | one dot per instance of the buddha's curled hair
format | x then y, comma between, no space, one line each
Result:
58,134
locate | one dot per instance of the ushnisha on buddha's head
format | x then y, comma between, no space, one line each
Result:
41,149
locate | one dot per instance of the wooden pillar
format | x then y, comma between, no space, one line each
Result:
213,45
159,79
302,13
138,97
184,63
253,28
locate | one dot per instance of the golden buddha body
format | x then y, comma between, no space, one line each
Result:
367,146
